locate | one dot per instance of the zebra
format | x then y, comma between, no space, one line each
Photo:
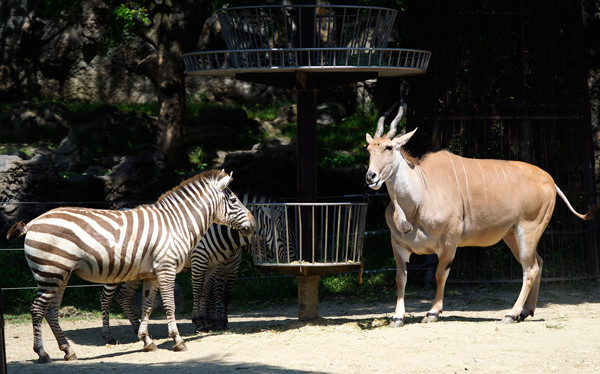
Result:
214,264
150,242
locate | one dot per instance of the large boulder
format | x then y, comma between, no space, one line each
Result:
29,188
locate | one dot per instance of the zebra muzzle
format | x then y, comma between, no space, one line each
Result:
248,228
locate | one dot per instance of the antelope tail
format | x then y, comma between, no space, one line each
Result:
16,231
588,216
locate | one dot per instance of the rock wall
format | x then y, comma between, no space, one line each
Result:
49,58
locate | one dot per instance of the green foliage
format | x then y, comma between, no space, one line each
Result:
197,158
349,136
150,108
338,159
6,107
267,112
123,22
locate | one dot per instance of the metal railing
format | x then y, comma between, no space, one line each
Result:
312,234
310,58
297,26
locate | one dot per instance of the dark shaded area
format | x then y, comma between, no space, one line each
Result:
508,79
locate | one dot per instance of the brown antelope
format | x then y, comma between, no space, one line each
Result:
443,201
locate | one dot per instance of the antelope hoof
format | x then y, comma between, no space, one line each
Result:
430,317
524,314
397,322
509,318
150,347
44,359
180,347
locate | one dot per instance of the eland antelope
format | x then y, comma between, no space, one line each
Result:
443,201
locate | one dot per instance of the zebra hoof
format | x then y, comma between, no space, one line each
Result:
44,359
110,341
150,347
202,326
180,347
430,317
397,322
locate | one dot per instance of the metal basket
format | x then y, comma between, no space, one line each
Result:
315,234
306,26
315,38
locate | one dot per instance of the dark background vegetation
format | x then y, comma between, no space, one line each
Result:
508,79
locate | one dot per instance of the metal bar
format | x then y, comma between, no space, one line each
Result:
287,232
3,369
337,244
326,230
274,229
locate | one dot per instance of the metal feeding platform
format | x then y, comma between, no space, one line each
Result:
307,47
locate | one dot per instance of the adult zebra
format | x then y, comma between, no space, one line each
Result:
151,242
214,263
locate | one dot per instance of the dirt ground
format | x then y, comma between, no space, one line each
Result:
351,336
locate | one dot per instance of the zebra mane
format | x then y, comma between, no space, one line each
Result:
202,179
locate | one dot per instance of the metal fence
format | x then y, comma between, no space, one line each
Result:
553,138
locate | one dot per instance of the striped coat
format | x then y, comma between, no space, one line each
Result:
151,242
214,262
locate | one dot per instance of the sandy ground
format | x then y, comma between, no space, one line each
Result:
351,336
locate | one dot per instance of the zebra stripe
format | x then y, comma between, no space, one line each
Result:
149,242
214,262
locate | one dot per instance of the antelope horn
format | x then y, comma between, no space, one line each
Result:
382,120
395,122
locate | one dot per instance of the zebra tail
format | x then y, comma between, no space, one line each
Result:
16,231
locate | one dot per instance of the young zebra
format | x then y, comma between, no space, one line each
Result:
215,262
150,242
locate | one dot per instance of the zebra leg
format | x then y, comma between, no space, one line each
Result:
38,311
204,305
228,279
52,318
128,291
199,268
217,316
148,293
166,284
211,301
108,292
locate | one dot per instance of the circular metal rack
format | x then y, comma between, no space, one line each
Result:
308,47
311,38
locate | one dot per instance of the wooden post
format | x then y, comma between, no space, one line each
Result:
2,342
308,297
306,97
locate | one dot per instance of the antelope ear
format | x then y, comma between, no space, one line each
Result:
224,182
369,139
403,139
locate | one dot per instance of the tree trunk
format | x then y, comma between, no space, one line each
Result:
171,93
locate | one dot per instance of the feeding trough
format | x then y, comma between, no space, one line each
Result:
307,47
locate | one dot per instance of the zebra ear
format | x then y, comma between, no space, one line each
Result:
223,182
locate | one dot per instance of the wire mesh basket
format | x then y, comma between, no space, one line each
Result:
315,234
306,26
319,38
